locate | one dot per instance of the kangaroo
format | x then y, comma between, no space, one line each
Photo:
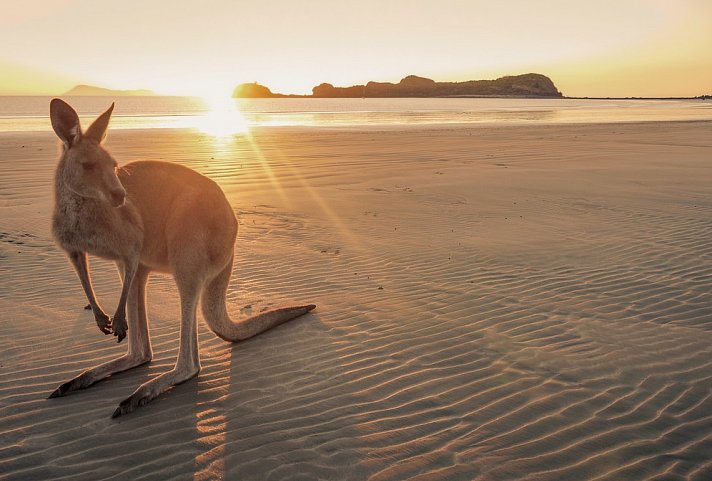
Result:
146,216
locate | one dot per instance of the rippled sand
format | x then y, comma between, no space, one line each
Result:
493,304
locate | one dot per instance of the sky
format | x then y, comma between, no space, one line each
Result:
617,48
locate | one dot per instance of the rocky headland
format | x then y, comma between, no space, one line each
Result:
521,86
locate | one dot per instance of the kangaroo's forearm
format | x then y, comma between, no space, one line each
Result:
129,272
128,268
81,264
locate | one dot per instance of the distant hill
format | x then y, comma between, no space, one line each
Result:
92,91
521,86
253,91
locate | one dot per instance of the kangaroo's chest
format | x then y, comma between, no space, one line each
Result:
81,226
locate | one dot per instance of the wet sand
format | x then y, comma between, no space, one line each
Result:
493,304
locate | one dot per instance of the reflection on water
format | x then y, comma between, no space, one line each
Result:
225,117
397,118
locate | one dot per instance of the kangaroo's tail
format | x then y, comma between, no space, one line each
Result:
217,317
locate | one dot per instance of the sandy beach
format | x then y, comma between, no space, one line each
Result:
494,303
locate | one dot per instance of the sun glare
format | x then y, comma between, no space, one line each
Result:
223,119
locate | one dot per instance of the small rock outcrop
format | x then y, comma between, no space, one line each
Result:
253,91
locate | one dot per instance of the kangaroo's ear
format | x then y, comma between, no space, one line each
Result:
65,122
97,130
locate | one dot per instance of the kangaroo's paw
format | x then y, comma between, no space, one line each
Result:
119,326
67,387
103,321
96,374
132,402
150,390
85,379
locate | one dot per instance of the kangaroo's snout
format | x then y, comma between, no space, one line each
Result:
118,197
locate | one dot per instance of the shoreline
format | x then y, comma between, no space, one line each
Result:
400,127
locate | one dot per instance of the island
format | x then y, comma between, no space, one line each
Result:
531,85
92,91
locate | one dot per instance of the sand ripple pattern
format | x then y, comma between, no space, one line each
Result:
494,304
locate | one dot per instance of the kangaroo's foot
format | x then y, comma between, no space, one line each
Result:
119,326
153,388
103,321
93,375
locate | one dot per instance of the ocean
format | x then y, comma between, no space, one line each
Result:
27,114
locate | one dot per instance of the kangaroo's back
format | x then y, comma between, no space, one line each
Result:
175,202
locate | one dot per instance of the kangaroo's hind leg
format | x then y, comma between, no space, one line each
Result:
188,363
139,349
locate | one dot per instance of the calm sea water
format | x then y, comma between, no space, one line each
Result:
31,113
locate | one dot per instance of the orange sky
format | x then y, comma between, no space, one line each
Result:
601,48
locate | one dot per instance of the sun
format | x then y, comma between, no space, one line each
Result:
223,119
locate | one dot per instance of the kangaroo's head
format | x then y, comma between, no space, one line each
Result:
88,169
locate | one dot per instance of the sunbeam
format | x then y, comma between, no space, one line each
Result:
223,119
